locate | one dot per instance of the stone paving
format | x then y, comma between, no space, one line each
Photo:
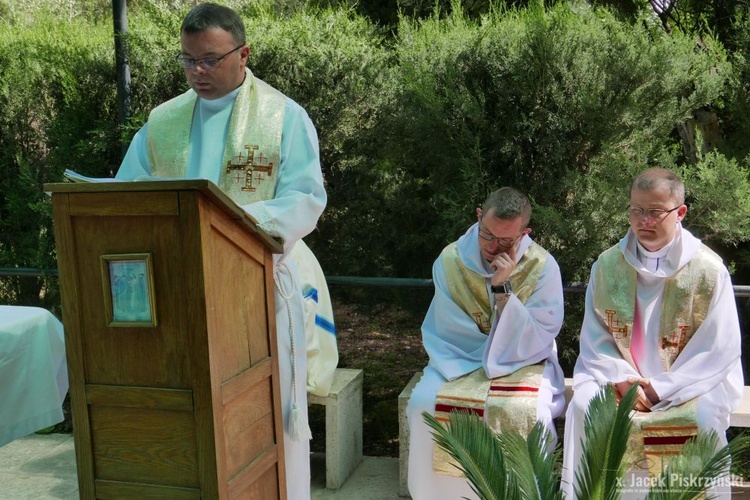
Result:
42,467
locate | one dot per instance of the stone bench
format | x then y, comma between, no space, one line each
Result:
343,425
739,418
403,436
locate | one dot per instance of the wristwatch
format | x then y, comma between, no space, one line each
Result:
504,288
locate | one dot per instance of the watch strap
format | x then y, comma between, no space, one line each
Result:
501,289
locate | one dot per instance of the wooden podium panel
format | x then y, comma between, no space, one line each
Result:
176,395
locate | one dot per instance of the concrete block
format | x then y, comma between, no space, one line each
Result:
343,425
403,436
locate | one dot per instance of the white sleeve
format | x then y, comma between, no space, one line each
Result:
524,334
451,337
135,165
709,356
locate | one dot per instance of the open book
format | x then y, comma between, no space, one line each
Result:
76,177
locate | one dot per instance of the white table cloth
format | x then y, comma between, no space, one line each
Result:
33,371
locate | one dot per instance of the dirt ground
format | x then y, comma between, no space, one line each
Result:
385,342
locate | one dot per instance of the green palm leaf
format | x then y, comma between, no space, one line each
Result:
509,467
532,463
476,450
607,429
546,462
697,466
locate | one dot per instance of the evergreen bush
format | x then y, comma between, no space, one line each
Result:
566,102
58,109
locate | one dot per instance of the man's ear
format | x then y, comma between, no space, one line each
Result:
681,212
479,214
245,54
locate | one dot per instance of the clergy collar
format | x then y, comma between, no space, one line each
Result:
671,258
652,260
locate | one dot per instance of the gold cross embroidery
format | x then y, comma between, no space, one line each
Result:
483,324
676,341
250,171
614,327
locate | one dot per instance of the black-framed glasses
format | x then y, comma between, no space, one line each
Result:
205,62
650,213
502,242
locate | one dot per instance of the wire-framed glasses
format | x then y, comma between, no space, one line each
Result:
502,242
206,63
650,213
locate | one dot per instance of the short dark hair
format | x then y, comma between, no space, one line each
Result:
508,203
652,178
210,15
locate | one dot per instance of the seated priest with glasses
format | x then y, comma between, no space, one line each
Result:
660,315
490,336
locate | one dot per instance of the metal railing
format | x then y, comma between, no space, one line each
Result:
573,287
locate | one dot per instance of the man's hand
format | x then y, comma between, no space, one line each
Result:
643,402
504,264
648,389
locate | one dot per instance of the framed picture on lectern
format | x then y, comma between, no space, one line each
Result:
128,282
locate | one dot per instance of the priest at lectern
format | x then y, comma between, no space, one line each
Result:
261,148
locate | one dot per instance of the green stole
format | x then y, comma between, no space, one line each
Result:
252,153
658,435
508,402
469,289
689,292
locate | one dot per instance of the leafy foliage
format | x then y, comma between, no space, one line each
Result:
565,101
507,465
520,99
607,428
477,450
723,183
57,113
341,74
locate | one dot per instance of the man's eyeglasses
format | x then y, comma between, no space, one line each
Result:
650,213
502,242
206,62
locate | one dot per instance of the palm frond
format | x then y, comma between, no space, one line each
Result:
698,466
507,466
532,463
607,429
545,460
474,447
519,467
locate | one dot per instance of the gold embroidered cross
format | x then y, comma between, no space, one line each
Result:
483,324
250,171
676,341
614,325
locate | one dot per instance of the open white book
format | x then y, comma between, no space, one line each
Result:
76,177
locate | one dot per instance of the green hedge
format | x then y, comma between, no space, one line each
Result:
565,102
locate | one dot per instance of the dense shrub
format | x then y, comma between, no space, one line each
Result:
335,64
58,112
565,102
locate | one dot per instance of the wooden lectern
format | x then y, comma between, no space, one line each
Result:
167,295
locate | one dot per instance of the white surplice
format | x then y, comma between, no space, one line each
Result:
522,335
708,367
293,212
